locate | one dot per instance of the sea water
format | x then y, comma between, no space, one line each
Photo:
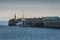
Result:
3,22
27,33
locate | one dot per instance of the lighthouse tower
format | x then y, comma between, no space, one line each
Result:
15,16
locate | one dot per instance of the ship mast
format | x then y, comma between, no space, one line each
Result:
23,19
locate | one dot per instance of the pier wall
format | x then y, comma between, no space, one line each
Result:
40,22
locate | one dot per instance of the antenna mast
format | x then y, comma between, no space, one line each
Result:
23,15
15,17
23,19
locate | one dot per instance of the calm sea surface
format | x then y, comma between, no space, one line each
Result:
27,33
3,22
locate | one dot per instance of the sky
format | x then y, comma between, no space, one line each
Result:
31,8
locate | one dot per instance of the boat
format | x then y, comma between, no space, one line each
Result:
45,22
20,23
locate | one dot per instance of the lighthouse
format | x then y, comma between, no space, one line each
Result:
15,17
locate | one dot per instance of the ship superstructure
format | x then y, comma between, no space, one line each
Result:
53,21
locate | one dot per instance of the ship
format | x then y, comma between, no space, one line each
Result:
44,22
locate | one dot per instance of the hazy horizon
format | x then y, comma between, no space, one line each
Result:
31,8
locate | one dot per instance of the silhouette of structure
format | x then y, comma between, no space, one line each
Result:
50,22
